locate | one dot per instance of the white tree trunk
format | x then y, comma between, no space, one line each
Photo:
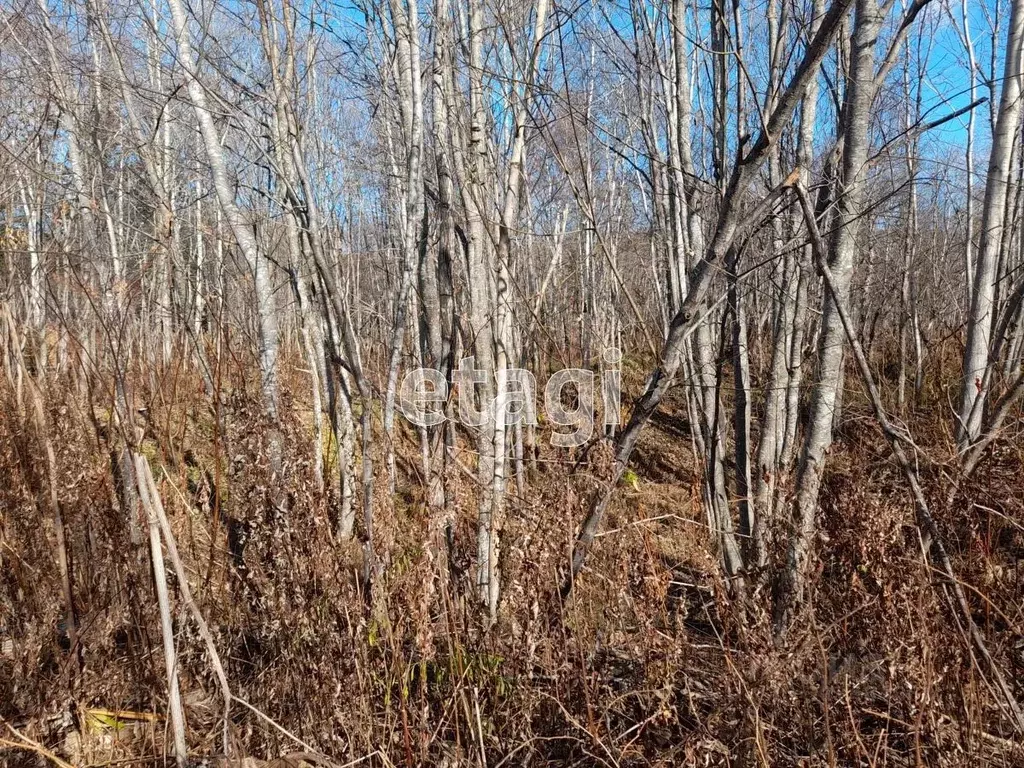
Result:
860,97
976,372
177,713
406,24
689,315
258,264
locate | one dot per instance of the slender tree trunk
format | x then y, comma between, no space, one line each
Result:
258,264
689,315
177,713
908,313
503,339
406,24
860,97
976,372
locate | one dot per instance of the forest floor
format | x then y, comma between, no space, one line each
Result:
649,662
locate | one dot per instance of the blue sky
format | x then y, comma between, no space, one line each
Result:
946,86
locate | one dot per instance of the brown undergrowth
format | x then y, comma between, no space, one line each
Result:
649,662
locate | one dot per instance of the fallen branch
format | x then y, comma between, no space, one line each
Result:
30,745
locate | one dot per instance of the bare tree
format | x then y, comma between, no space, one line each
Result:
983,311
689,315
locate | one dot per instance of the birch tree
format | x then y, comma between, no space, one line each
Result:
259,265
689,316
976,382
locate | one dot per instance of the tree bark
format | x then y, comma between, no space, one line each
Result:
688,316
860,96
976,382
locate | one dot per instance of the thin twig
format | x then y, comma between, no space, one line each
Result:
33,746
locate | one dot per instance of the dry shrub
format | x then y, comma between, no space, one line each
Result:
650,661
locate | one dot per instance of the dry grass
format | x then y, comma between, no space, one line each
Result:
647,664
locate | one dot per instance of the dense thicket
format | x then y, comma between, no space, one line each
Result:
791,232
